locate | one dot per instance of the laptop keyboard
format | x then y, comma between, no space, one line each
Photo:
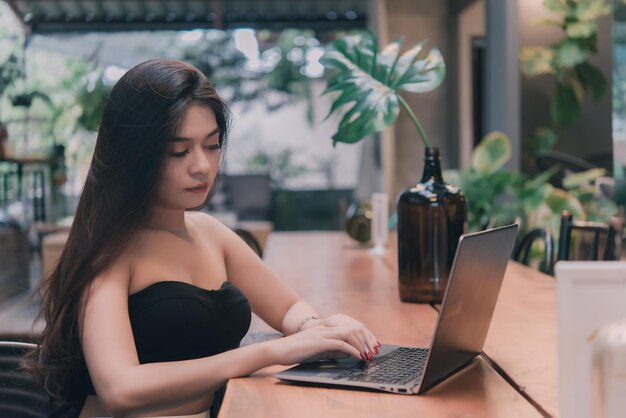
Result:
401,366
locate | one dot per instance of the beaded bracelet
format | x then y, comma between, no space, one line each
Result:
305,320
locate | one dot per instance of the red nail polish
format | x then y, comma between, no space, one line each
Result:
378,342
375,350
370,357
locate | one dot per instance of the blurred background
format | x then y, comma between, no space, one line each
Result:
60,58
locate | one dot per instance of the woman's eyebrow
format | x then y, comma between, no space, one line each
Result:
183,139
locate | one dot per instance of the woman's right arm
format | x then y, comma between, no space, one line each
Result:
126,387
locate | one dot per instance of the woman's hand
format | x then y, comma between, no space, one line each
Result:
337,336
315,343
358,335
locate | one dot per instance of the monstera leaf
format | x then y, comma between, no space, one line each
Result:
492,153
368,82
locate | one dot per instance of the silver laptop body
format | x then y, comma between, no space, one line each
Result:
475,279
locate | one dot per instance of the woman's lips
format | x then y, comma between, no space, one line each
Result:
198,189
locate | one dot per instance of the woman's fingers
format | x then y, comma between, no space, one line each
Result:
370,340
354,333
346,336
343,346
356,339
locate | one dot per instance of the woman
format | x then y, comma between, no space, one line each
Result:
147,306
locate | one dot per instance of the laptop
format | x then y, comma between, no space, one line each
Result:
475,279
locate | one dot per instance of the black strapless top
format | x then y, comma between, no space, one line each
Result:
175,321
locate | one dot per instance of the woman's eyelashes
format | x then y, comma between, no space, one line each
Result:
180,154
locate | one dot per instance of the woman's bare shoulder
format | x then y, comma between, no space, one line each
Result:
116,275
207,224
119,270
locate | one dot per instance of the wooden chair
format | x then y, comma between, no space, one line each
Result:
522,249
612,234
545,160
250,239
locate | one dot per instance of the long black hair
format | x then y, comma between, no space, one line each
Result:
145,109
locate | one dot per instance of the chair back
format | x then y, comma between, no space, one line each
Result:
545,160
611,233
251,240
20,395
522,250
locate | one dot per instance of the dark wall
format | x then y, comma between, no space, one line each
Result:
591,136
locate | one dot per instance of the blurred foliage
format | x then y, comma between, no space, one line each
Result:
288,75
568,62
279,165
11,68
91,97
619,67
218,58
369,81
10,72
278,82
497,196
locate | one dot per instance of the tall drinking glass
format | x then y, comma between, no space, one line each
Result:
380,216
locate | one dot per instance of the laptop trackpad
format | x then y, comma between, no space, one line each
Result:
326,368
332,368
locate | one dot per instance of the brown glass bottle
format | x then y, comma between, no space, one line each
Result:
431,218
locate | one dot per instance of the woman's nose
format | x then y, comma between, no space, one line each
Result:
200,163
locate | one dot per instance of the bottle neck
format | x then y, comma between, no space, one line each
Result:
432,166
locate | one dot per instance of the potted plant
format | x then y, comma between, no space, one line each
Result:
431,214
568,62
498,196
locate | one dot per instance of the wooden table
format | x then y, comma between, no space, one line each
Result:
515,378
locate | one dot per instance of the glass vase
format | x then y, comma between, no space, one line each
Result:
431,217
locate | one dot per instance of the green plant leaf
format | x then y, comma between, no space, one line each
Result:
419,76
579,179
10,71
492,153
569,54
541,140
559,200
369,81
591,79
544,139
581,29
557,6
548,22
599,210
537,60
350,51
377,110
542,178
587,10
564,107
387,59
92,100
348,93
